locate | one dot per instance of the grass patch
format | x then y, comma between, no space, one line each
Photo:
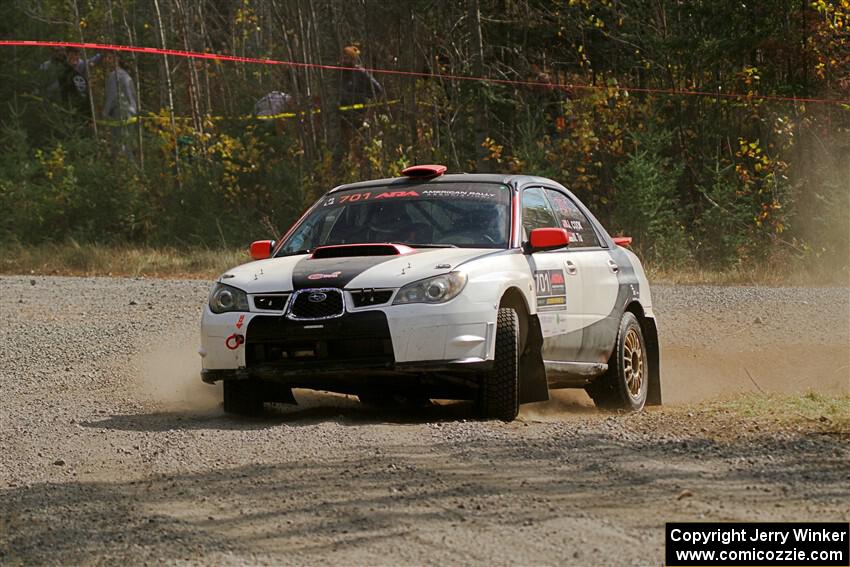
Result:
72,259
781,275
828,414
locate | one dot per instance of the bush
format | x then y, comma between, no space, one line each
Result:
224,190
647,206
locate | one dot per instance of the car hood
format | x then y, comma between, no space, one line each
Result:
304,271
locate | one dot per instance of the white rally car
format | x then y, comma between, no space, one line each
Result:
493,288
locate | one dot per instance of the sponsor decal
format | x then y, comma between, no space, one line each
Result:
571,226
561,202
461,194
393,194
551,290
321,276
234,341
482,193
240,321
365,196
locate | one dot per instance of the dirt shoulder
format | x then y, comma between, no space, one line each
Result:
114,452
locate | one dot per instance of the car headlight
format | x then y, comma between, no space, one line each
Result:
225,298
438,289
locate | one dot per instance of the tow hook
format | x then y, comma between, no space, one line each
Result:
234,341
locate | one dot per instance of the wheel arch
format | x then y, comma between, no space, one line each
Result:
653,351
533,386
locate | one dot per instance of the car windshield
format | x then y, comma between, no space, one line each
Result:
465,215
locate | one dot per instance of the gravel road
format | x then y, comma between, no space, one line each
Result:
114,452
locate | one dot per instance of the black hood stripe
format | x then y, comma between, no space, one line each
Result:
332,272
338,272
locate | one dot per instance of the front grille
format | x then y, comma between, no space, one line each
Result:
316,304
336,350
367,297
270,302
354,339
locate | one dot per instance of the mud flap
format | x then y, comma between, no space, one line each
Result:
650,335
533,386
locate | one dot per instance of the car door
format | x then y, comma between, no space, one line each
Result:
558,287
589,262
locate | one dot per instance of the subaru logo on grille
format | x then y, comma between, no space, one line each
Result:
317,297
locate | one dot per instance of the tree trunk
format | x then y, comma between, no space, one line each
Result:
170,92
480,110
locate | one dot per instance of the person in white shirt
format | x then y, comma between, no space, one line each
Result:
121,105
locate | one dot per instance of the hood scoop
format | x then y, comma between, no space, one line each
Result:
352,250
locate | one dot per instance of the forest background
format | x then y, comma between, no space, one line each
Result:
708,182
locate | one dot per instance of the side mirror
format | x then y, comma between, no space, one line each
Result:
624,241
543,239
262,249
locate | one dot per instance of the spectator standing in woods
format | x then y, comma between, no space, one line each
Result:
552,99
121,105
74,80
357,86
80,65
50,75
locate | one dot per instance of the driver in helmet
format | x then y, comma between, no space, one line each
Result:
486,223
390,222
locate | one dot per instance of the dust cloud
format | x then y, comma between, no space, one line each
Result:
561,403
168,374
755,340
721,342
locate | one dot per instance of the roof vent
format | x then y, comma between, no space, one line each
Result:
424,171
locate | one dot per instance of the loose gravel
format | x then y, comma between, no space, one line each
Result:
114,452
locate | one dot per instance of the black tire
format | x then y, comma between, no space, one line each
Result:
624,386
499,390
242,397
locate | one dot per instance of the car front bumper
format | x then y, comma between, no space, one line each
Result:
456,336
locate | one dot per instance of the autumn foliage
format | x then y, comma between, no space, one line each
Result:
725,176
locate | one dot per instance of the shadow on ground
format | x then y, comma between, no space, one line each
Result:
316,407
312,409
358,499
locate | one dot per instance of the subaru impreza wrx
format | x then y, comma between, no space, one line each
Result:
492,288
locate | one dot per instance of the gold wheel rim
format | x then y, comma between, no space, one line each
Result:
633,367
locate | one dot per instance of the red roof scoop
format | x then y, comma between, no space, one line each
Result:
424,171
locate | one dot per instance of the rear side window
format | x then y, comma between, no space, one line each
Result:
536,212
570,217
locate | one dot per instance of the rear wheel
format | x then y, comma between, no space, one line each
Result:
242,397
499,391
625,384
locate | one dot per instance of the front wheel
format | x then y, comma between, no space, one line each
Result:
499,390
625,384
